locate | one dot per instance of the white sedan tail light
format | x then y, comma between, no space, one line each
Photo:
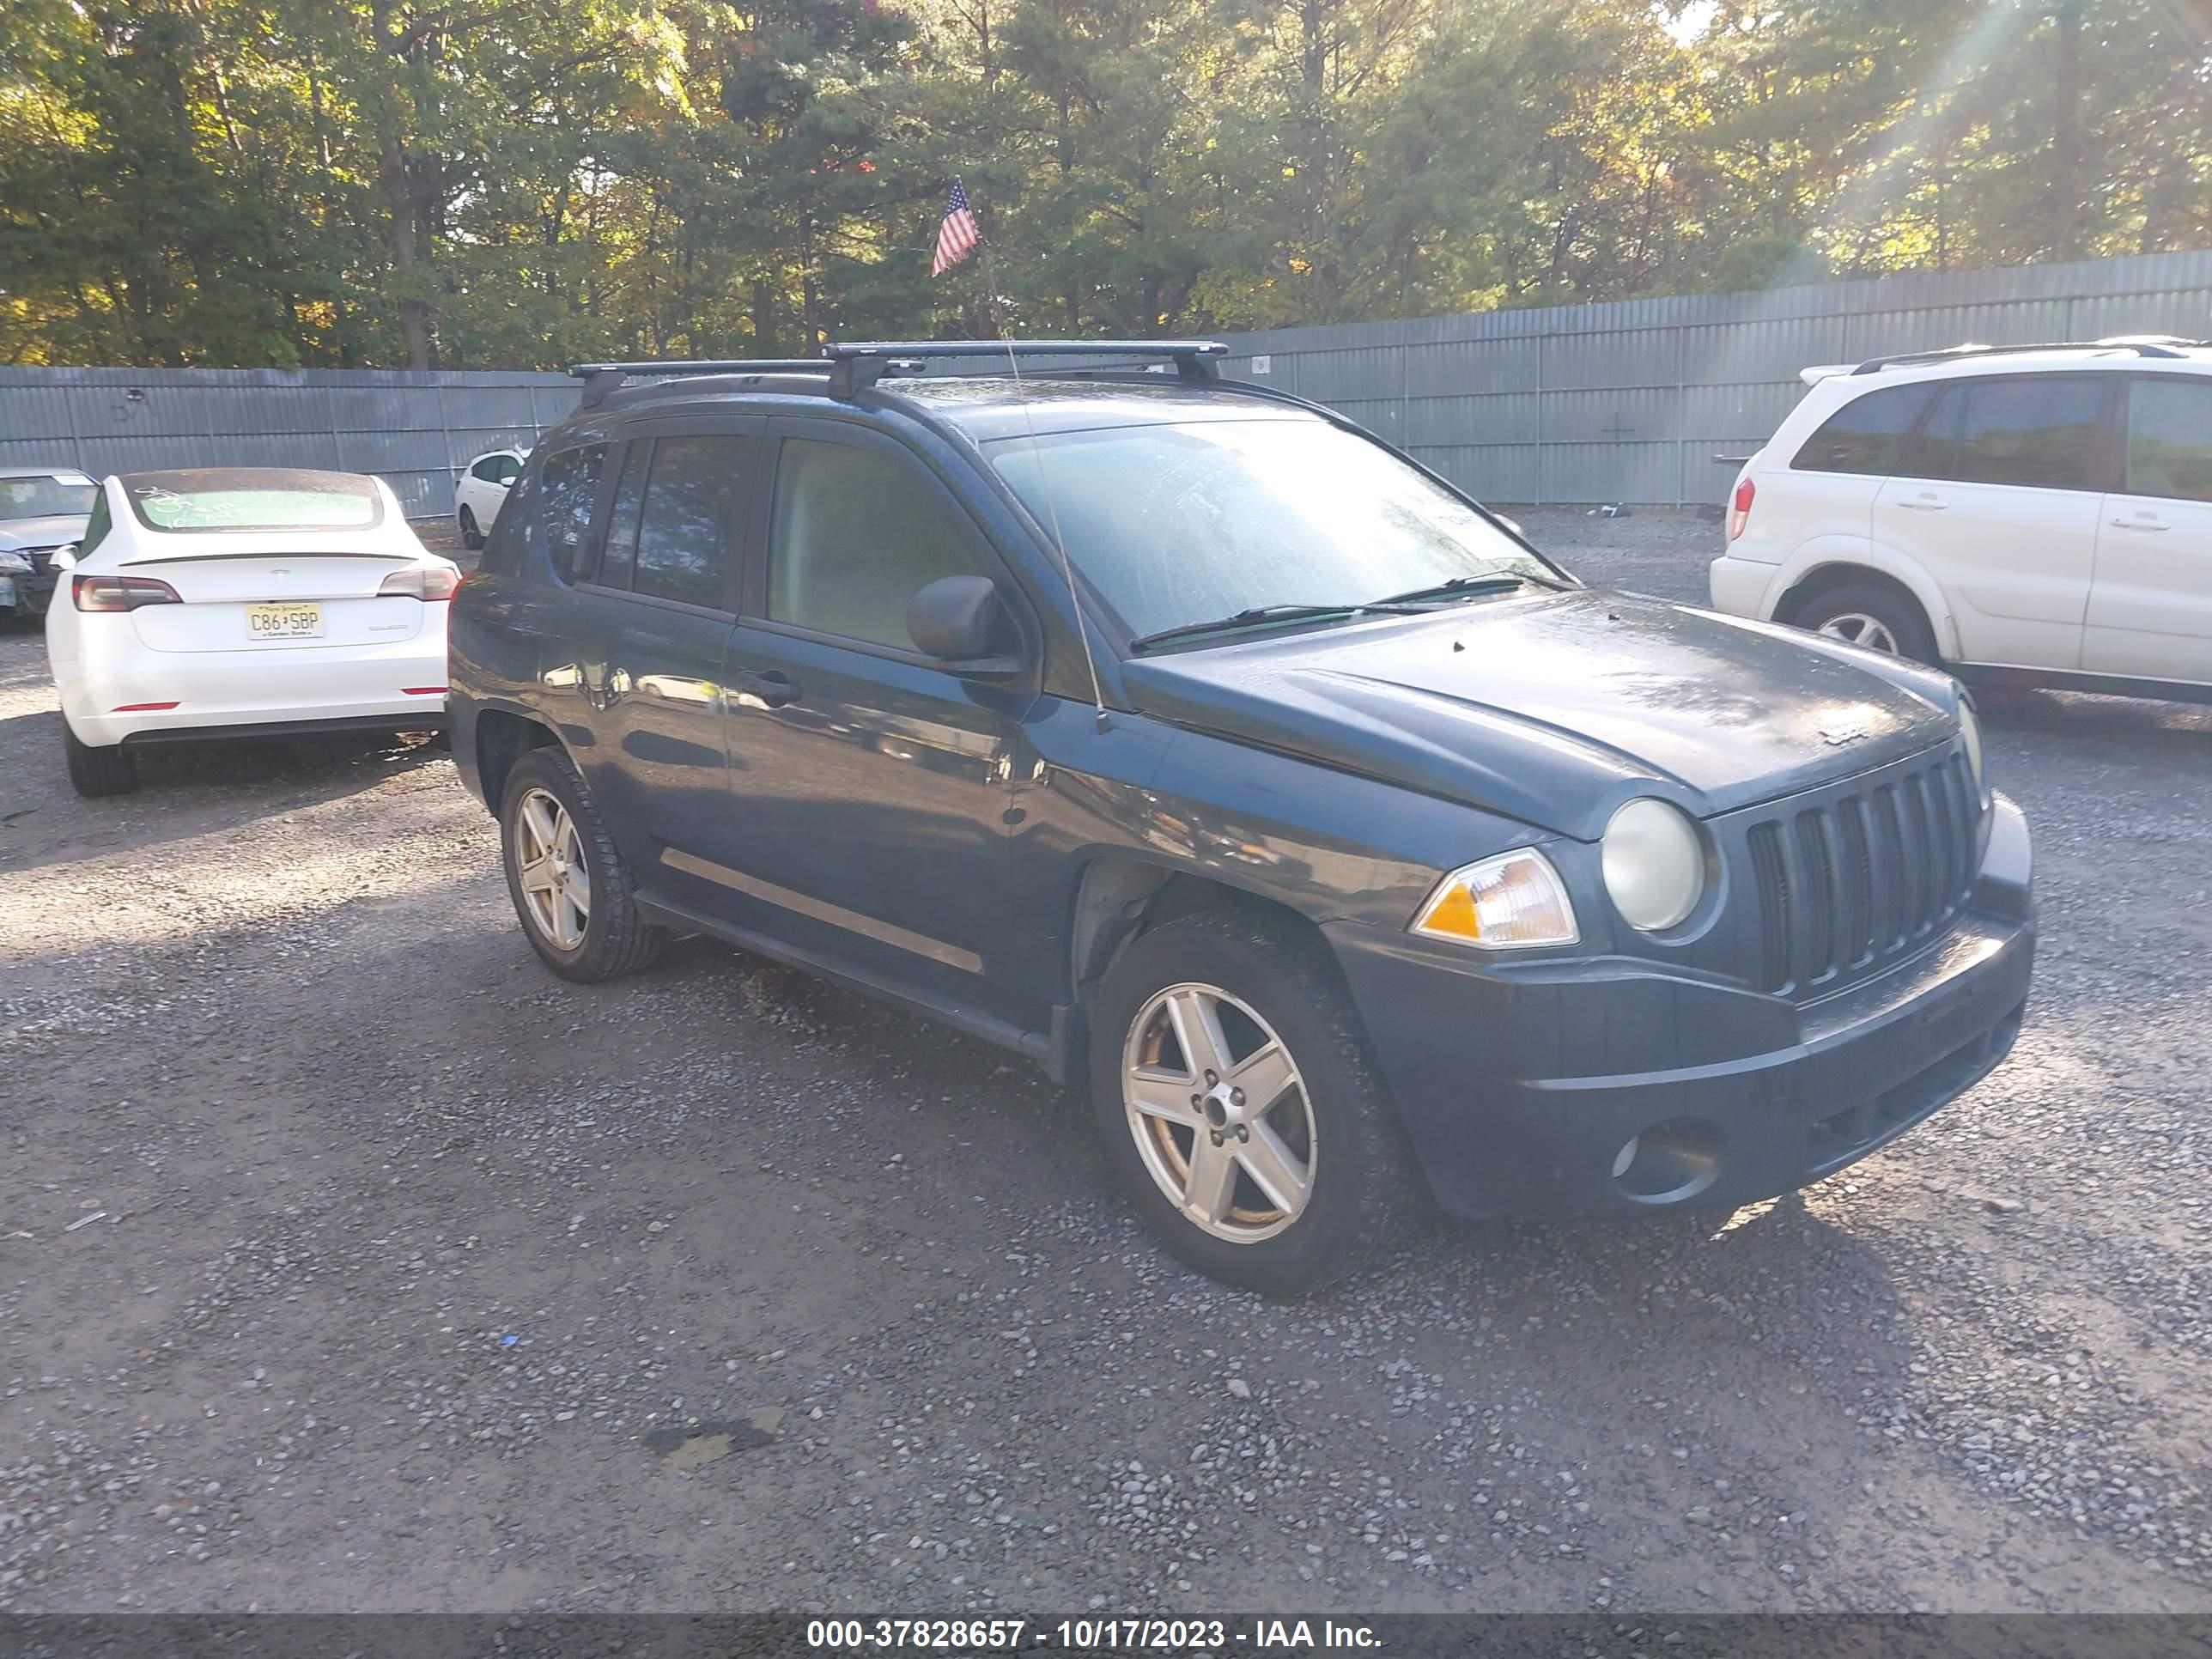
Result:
119,592
421,583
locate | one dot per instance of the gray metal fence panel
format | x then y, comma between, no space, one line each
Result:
1633,400
414,431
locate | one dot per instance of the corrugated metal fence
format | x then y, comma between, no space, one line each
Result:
1628,401
413,429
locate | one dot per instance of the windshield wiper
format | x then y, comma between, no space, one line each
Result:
1258,613
1461,587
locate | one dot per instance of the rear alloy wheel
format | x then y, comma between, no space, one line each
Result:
98,771
570,886
1874,617
472,536
1236,1098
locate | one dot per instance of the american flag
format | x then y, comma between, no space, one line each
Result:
957,236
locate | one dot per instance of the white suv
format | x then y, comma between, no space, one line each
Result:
2027,515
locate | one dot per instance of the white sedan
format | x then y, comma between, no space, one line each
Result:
243,602
481,487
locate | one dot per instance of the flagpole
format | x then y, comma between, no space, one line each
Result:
1036,450
990,284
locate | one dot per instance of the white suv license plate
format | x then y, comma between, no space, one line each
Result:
284,622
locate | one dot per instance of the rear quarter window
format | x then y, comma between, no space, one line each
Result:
1863,435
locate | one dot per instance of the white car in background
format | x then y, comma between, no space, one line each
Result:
480,488
2026,516
42,510
243,602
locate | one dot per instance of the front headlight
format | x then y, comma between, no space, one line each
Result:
1654,864
1508,903
13,563
1970,729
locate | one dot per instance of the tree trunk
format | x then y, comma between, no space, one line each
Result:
399,204
2066,136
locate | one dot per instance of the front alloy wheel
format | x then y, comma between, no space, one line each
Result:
1218,1113
1240,1105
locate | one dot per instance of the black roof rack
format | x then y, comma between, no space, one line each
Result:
861,362
601,379
709,366
850,366
2144,345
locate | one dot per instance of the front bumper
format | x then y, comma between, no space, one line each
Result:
1522,1085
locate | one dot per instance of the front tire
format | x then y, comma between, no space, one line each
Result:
572,889
1240,1105
98,771
1869,614
472,536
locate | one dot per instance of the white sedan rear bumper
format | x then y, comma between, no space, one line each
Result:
219,693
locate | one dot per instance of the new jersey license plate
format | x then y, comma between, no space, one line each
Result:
284,622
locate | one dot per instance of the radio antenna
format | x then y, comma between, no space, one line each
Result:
1044,482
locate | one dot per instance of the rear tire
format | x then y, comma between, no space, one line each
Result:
1879,618
98,771
472,536
550,835
1261,981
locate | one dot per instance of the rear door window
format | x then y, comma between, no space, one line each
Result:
1863,435
618,557
2043,432
2170,438
567,492
690,527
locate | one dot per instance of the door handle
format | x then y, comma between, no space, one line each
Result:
1925,504
2140,524
774,689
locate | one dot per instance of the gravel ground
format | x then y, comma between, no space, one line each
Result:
350,1261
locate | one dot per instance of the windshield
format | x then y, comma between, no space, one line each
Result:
1180,524
253,498
49,497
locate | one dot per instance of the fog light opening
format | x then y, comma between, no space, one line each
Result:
1669,1161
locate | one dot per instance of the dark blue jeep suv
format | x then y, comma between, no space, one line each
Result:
1237,769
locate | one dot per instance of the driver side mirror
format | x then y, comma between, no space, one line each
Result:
963,622
65,558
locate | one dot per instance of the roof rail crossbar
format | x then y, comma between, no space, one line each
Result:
861,362
601,379
2141,345
710,365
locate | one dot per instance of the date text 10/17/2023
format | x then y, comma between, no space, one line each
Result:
1089,1635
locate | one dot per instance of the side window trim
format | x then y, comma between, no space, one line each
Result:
785,429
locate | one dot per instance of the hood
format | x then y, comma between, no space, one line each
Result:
58,532
1555,707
